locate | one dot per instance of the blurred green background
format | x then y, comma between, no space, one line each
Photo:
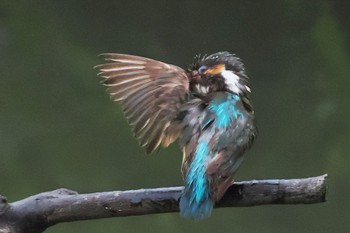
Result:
58,127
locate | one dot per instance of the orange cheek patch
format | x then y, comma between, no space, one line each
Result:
215,70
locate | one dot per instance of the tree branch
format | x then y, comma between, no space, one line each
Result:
36,213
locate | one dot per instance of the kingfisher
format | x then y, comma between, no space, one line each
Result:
206,107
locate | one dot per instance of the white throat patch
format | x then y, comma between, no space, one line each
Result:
232,82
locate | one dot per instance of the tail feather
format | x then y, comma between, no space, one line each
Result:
191,208
196,201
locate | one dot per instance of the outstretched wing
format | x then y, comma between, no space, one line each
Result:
150,92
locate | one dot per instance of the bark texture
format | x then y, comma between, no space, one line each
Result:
36,213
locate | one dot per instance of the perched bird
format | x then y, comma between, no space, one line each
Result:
207,107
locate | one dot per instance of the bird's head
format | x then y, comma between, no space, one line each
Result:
220,71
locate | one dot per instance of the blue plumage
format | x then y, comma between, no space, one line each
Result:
225,110
219,129
195,201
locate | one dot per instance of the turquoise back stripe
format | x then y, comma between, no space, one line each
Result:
225,111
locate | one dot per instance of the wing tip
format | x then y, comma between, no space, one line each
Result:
98,67
109,56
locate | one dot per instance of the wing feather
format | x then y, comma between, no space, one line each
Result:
119,94
150,92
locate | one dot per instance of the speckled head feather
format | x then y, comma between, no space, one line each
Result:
231,61
197,62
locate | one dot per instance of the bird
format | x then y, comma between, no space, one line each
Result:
206,107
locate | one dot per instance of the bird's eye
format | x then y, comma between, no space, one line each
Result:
202,69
